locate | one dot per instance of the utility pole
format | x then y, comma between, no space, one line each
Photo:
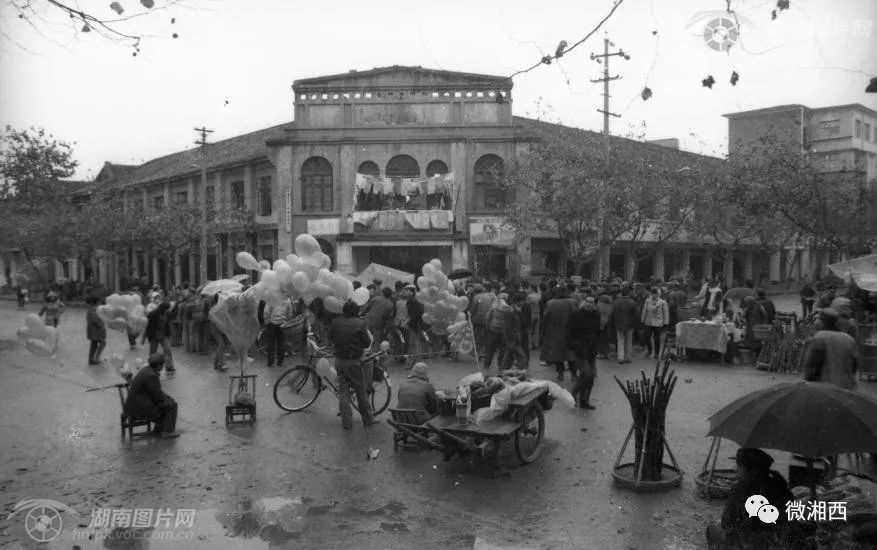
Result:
203,202
604,59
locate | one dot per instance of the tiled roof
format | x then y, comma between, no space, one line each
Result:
593,142
228,152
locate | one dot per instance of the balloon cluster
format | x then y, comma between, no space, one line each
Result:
38,338
460,335
126,370
304,274
439,299
237,316
123,312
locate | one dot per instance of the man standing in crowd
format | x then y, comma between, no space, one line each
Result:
497,324
276,317
554,328
379,315
533,299
350,339
158,332
481,303
624,317
583,336
767,304
831,354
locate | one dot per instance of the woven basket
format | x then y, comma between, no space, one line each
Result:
713,489
624,478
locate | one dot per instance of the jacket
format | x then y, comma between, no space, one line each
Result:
95,328
655,314
417,394
625,313
415,315
278,315
769,308
481,304
554,328
379,315
158,323
830,356
583,332
145,395
349,337
498,317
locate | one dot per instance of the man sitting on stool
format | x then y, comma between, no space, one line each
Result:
146,399
418,393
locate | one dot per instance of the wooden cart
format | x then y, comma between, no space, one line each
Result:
524,422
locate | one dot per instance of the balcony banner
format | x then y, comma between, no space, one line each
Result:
402,191
492,231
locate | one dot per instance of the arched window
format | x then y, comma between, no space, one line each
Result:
316,185
403,166
436,167
369,168
489,195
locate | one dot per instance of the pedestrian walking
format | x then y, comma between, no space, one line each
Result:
481,303
655,317
96,332
830,355
21,293
496,323
52,309
624,317
604,307
533,299
379,316
158,332
515,353
555,321
808,298
350,340
583,336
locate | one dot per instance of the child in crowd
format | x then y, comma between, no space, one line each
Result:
96,331
52,309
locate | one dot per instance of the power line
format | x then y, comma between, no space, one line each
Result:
563,49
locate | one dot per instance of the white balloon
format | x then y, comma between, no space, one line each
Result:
300,281
247,261
361,296
270,280
306,245
436,263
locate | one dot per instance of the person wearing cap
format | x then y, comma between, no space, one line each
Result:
146,398
737,528
418,394
349,339
830,355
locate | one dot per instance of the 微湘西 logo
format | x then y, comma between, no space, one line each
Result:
43,521
758,506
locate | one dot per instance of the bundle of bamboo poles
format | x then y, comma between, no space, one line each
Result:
648,399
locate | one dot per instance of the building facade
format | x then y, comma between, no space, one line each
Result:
399,165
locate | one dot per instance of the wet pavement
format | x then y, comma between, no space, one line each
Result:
298,480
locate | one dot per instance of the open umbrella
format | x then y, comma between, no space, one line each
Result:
459,274
738,293
224,286
812,419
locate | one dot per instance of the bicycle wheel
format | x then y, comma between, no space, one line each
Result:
297,388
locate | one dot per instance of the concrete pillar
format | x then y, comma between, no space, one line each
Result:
166,192
283,191
344,258
707,265
178,270
660,272
747,265
792,264
686,260
806,265
156,275
248,188
461,195
628,265
774,268
525,260
729,269
193,276
102,270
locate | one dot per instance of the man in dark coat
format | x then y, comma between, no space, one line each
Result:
379,315
625,315
553,332
767,304
583,337
349,339
146,398
158,332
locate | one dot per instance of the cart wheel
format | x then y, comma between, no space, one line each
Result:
528,439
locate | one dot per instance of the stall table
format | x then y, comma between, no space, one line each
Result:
710,336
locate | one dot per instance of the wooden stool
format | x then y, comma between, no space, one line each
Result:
241,414
129,422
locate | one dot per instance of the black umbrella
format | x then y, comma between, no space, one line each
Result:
812,419
459,274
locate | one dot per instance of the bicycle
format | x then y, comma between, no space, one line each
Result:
300,386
